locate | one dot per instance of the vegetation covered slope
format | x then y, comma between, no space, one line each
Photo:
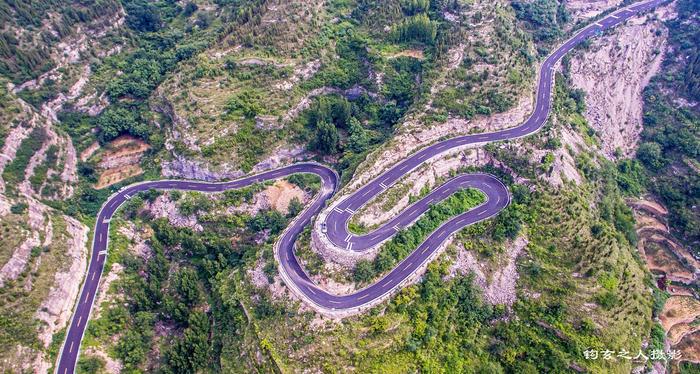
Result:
670,147
220,84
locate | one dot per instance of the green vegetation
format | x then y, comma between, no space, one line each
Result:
441,324
15,170
689,368
407,240
544,17
310,183
494,72
27,55
333,125
671,136
21,298
129,78
684,32
39,177
91,365
177,288
416,28
189,306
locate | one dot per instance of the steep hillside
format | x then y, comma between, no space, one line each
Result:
97,95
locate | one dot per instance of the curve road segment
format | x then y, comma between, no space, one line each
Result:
336,221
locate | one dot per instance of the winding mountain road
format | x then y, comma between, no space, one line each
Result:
337,219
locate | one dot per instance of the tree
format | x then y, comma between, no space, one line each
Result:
90,365
326,138
364,271
247,103
268,219
131,349
417,28
295,207
189,9
140,77
190,353
119,120
650,154
187,286
142,16
358,140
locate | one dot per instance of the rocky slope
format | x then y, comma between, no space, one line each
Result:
45,254
613,72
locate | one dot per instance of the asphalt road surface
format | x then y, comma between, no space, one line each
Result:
336,221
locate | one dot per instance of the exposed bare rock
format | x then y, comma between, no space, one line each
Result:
70,166
498,284
282,193
112,366
9,150
138,238
89,151
18,262
584,9
259,202
301,73
109,276
57,308
282,156
189,169
163,207
564,166
257,275
614,72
